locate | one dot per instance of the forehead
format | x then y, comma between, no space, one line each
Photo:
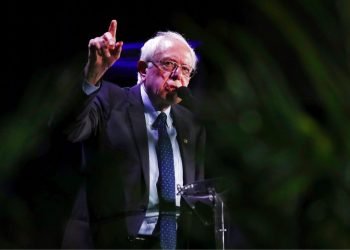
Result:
174,49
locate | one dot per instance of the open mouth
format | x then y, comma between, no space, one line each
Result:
170,88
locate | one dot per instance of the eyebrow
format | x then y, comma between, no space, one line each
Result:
174,60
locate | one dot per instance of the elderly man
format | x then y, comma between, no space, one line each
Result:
140,145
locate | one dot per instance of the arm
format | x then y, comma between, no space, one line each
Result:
82,111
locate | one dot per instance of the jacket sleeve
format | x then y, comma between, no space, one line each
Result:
80,115
200,154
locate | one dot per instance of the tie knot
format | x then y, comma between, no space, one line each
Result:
160,122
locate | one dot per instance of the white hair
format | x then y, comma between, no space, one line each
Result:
154,45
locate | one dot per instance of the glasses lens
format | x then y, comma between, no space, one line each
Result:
171,66
168,65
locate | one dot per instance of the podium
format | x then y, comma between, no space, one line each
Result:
201,196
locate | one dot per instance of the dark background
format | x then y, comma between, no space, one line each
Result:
274,84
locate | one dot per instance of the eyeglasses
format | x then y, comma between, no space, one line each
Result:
171,66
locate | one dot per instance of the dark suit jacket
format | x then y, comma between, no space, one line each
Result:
111,124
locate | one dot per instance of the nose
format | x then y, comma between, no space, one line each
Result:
175,74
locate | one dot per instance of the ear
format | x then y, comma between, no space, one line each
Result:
142,68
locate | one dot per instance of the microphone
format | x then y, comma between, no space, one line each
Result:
187,98
184,92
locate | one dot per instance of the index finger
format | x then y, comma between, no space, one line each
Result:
113,28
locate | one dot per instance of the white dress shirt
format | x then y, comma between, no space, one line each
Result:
151,115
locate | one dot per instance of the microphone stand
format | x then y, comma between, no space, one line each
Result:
219,219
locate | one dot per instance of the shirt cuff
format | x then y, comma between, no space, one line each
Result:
89,88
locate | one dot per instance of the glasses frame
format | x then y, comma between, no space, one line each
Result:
177,65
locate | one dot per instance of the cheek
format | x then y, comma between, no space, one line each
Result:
155,85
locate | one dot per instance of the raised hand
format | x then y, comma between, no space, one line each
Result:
103,52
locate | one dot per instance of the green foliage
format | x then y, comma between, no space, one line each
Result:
36,195
277,114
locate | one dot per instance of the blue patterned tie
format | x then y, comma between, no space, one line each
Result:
166,184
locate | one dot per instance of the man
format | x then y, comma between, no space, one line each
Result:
127,190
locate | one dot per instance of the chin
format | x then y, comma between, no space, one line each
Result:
172,98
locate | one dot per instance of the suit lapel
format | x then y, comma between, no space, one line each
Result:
183,127
139,130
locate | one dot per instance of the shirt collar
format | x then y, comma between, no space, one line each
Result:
149,109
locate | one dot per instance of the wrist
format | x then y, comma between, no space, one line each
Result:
93,74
